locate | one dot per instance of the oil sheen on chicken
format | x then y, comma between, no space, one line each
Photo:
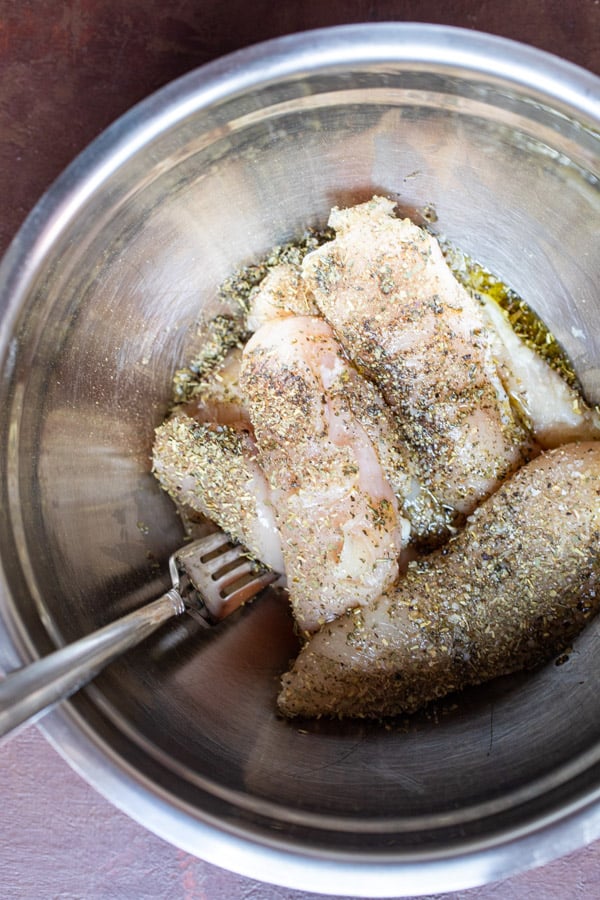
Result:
554,411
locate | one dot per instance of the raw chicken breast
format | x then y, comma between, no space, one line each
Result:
430,522
407,324
514,587
220,400
337,514
281,293
205,457
213,469
555,412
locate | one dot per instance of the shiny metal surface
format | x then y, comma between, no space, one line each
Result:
500,145
209,589
37,687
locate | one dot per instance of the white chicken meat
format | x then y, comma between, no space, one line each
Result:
341,529
514,587
204,455
409,326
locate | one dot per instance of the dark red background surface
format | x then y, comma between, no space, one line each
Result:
67,70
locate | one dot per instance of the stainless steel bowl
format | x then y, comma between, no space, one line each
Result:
497,142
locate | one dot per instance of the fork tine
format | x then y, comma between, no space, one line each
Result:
218,592
232,575
222,596
210,543
244,593
212,566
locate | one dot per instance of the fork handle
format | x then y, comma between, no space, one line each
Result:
33,690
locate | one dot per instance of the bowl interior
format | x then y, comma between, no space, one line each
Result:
109,311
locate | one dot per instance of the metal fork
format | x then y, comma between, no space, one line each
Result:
211,577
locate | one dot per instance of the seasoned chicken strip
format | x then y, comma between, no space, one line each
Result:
405,321
514,587
555,412
281,293
205,457
337,514
220,400
429,520
213,469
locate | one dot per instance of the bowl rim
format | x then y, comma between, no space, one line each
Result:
572,91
